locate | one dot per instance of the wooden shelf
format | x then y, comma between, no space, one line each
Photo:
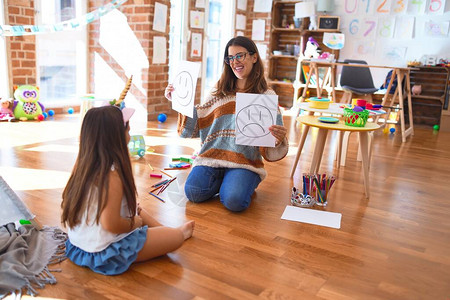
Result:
280,82
280,29
283,56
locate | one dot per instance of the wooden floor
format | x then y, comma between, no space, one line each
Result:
393,246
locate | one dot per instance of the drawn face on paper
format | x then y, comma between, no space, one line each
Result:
183,86
253,120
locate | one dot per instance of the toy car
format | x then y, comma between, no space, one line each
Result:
136,146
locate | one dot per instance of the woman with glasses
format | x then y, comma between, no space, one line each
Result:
222,167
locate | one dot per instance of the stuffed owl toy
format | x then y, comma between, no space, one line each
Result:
26,104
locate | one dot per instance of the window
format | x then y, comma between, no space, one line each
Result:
61,56
177,43
4,88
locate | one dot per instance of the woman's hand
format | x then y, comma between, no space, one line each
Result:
168,92
279,132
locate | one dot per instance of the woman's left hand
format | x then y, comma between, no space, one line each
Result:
279,132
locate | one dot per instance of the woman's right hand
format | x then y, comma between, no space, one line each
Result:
168,92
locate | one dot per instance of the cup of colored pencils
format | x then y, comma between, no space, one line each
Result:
319,186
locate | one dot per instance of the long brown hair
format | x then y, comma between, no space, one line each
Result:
102,144
256,82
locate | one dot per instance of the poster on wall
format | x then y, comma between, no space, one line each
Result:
197,19
394,53
404,27
416,7
436,7
241,22
159,50
262,6
334,40
160,19
436,29
386,27
196,44
258,31
200,3
242,4
262,49
363,47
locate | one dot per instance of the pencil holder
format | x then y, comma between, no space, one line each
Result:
356,119
301,200
316,187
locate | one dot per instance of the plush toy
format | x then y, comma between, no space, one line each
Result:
27,103
6,112
311,49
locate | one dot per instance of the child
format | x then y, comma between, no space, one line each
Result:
107,229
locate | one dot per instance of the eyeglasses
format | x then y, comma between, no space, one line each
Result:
240,57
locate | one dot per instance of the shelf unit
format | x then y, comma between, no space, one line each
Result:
285,69
282,68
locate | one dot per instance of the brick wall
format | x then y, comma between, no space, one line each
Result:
22,49
154,78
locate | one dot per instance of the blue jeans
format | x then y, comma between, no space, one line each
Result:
235,186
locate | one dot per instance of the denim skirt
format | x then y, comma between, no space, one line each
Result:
113,260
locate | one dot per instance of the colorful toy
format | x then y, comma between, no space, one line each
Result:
436,127
27,103
311,49
45,115
162,118
41,117
51,112
6,112
136,146
392,130
70,110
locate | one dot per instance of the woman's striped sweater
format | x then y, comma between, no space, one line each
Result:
214,123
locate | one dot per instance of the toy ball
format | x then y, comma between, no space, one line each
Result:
386,130
392,130
162,118
45,115
70,110
436,127
51,112
40,117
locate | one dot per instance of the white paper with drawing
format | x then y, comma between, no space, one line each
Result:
255,113
184,84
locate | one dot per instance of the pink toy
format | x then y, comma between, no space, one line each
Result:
6,112
416,89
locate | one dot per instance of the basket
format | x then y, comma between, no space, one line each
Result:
356,119
320,103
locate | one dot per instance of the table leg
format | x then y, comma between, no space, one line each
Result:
402,108
318,150
339,148
364,147
300,148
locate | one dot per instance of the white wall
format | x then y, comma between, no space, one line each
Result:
374,48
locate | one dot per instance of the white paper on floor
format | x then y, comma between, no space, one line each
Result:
311,216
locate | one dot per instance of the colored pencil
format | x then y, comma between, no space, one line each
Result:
160,199
165,173
166,185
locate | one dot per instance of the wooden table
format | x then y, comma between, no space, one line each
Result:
400,72
364,140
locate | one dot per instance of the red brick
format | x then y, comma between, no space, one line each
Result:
13,10
28,63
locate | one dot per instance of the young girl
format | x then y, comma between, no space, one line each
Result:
107,229
223,167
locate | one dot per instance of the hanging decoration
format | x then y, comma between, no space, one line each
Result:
20,30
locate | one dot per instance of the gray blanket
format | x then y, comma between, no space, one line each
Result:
24,256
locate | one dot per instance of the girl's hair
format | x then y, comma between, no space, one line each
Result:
102,145
256,82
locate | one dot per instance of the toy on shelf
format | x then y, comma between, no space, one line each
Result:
6,113
27,105
312,48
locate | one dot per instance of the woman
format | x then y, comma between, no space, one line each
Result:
234,171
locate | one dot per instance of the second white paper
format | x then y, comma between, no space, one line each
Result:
255,113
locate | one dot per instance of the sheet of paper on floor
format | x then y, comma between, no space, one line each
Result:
311,216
